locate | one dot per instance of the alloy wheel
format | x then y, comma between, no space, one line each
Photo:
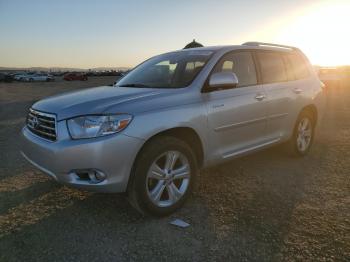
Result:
168,178
304,134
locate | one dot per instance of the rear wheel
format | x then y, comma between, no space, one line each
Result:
303,134
163,176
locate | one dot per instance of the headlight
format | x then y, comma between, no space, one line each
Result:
95,126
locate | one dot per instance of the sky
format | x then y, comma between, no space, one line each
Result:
111,33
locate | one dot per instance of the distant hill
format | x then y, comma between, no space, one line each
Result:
62,69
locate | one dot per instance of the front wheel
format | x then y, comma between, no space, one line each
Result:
163,176
303,134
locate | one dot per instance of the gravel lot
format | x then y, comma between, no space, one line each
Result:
262,207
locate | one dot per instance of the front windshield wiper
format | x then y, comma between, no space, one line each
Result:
135,85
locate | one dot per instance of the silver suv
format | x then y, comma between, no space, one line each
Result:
150,133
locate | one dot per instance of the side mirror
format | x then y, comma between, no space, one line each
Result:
221,80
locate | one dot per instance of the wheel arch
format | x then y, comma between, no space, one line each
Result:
186,134
313,110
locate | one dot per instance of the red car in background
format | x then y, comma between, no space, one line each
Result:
75,76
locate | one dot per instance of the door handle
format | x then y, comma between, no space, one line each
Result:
259,97
218,105
297,90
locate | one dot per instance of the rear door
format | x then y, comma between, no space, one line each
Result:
301,88
275,78
237,117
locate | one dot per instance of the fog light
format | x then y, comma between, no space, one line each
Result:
100,176
92,176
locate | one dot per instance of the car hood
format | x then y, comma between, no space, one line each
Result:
95,100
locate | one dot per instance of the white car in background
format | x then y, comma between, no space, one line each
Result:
38,77
21,76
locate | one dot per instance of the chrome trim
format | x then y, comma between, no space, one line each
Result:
46,134
42,113
37,122
239,124
242,151
277,116
260,97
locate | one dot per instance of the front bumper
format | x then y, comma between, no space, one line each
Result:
113,155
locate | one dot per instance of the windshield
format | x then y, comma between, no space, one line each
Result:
172,70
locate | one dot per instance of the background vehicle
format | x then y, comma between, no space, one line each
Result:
176,113
38,77
21,76
75,76
6,77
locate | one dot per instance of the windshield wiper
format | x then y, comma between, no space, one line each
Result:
135,85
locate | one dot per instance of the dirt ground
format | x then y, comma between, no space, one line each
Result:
263,207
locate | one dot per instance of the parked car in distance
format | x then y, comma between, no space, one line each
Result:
75,76
22,75
38,77
4,77
172,115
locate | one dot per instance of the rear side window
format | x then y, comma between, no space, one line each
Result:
240,63
289,68
299,66
272,67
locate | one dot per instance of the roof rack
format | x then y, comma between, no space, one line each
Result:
269,44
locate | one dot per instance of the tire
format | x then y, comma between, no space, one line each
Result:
153,193
304,129
31,80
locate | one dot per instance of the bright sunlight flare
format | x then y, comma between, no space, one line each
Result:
322,32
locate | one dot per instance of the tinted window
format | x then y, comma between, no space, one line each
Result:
289,68
272,67
299,66
240,63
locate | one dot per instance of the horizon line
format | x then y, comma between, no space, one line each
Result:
115,67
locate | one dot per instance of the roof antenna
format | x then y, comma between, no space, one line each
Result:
193,44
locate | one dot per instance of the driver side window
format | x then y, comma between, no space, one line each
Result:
240,63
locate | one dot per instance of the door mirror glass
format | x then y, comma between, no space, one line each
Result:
222,80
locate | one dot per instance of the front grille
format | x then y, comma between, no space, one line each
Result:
42,124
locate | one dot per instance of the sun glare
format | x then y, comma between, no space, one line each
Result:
322,33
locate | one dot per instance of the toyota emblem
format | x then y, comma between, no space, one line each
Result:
35,122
